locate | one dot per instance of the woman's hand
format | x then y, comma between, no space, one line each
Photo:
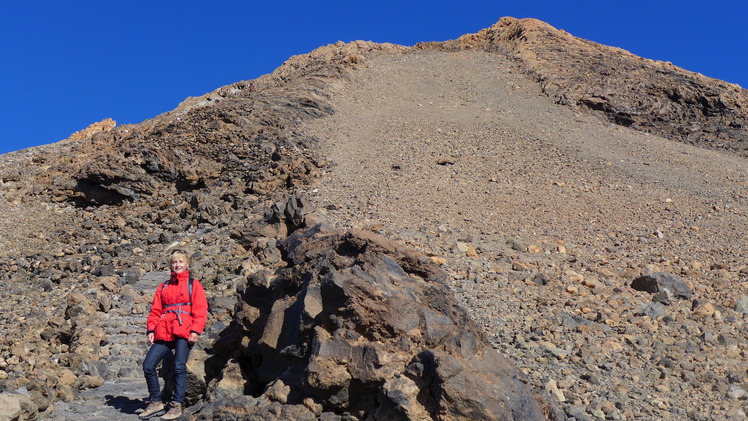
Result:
150,338
193,338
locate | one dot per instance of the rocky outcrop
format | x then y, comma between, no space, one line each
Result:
234,135
349,324
104,125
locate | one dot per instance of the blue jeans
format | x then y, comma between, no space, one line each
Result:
158,352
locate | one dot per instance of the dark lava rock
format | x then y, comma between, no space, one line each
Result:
659,281
356,324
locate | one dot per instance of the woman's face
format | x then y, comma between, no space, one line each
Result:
179,263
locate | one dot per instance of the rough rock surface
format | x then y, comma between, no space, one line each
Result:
104,125
15,406
361,327
541,215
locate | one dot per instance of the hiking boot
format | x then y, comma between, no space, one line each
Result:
153,409
175,411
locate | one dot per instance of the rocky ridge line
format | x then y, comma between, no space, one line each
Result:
648,95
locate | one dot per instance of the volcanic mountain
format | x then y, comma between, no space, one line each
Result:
516,224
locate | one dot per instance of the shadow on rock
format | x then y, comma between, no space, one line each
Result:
350,325
124,404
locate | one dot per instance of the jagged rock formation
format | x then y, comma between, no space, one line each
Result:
104,125
355,325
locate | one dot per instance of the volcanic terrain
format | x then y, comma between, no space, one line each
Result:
584,206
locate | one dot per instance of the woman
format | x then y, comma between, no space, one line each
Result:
178,314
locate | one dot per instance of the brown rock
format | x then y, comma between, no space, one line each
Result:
89,335
90,382
104,125
232,384
552,388
575,277
78,305
612,346
467,249
385,315
67,385
704,310
17,406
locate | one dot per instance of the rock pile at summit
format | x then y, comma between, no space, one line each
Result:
463,198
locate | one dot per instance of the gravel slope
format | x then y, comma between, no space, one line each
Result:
459,155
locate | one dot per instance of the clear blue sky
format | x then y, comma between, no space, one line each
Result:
67,64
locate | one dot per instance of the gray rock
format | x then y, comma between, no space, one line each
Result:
541,279
96,368
571,321
659,281
664,296
577,413
738,392
651,310
741,306
130,372
104,270
517,245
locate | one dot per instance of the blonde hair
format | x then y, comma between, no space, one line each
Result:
179,252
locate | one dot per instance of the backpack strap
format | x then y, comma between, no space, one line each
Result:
179,310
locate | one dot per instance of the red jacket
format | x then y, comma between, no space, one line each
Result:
169,321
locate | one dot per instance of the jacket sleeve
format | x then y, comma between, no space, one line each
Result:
199,311
156,310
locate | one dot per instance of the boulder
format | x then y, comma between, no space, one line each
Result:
661,281
79,304
17,406
231,384
741,306
196,376
360,325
